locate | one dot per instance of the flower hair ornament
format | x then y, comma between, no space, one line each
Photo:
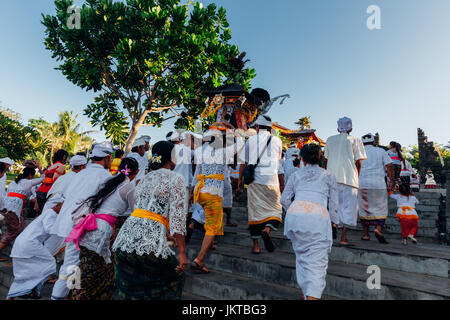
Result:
126,171
156,159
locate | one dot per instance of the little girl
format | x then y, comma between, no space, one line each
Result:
406,213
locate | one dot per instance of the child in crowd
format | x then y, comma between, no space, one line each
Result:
415,182
406,213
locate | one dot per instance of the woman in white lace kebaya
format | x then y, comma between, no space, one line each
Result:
146,268
308,223
95,222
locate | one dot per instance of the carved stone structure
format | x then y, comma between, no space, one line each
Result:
428,159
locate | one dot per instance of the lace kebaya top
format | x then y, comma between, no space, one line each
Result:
162,192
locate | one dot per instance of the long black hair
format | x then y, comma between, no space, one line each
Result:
60,155
163,150
398,148
25,174
129,164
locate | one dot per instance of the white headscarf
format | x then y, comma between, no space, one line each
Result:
368,138
77,160
138,143
102,150
344,124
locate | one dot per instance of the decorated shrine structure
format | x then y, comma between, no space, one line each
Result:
300,136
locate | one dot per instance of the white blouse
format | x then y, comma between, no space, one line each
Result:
24,187
306,197
163,192
118,204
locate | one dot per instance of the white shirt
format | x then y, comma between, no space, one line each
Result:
183,160
119,204
84,184
406,172
313,190
2,190
373,168
143,164
342,151
24,187
62,183
405,201
266,173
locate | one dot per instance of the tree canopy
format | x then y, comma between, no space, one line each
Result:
14,136
149,60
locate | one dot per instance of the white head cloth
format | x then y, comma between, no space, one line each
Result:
138,142
345,124
102,150
7,161
368,138
262,121
146,139
78,160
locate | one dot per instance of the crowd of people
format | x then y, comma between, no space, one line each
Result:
118,217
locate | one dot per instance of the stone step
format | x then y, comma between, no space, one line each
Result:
431,259
219,285
345,280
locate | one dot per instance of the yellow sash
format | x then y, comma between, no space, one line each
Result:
140,213
201,182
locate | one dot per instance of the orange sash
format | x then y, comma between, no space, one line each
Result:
140,213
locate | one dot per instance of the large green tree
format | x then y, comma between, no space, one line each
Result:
150,60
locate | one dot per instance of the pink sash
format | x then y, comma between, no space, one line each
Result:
88,224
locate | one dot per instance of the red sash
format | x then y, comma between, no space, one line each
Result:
20,196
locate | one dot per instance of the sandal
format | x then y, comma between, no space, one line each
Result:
268,243
195,266
256,252
346,244
381,238
365,239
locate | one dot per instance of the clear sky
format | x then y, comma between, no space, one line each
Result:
390,81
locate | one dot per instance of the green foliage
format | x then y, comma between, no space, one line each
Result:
304,123
147,57
63,134
14,138
412,155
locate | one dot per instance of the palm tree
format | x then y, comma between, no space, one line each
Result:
304,123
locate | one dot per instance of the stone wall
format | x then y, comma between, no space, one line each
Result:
428,159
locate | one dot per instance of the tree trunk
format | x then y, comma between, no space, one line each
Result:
134,131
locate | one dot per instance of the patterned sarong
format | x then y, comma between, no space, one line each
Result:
97,277
212,205
147,277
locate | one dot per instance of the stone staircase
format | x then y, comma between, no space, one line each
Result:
410,272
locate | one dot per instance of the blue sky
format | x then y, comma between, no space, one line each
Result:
390,81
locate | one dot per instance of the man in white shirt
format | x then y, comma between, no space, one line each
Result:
343,156
77,163
138,152
373,192
264,207
83,185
